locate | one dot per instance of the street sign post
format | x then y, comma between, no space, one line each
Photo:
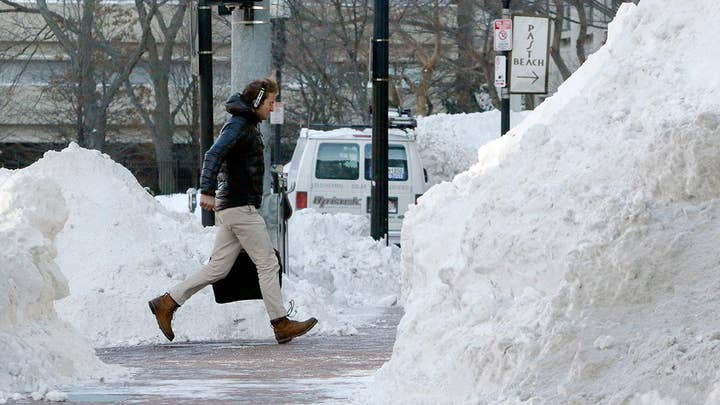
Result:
529,58
504,92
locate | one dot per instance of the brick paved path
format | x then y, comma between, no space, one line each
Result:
309,370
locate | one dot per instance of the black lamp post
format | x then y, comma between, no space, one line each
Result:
380,56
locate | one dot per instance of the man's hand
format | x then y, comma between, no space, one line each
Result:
207,202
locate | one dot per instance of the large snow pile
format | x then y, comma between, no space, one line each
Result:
448,143
577,262
118,247
37,349
337,272
334,250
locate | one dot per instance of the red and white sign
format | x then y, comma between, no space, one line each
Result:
503,34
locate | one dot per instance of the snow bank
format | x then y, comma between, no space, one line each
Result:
37,349
120,247
334,250
448,143
576,263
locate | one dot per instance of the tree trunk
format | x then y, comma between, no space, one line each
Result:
529,101
465,82
555,47
162,134
420,103
393,95
94,123
86,83
582,34
489,75
195,130
160,117
486,66
429,63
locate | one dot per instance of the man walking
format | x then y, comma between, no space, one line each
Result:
231,183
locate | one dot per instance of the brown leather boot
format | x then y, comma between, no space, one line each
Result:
163,307
286,330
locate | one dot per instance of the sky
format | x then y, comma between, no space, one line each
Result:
572,261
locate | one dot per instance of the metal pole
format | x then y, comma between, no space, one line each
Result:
278,127
278,59
505,91
251,58
279,183
380,55
205,87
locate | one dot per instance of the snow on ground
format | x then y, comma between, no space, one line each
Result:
448,143
178,202
118,247
335,250
576,262
38,349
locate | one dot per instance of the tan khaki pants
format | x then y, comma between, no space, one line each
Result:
238,228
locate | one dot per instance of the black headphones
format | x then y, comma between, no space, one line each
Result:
260,96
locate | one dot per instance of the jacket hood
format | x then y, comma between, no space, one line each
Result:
237,105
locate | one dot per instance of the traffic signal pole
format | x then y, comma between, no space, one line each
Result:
380,56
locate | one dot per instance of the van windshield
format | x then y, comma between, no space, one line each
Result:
397,163
338,161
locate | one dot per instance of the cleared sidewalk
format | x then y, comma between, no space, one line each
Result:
309,370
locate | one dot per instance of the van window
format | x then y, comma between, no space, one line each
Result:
397,163
338,161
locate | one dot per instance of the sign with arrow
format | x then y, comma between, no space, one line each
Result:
529,57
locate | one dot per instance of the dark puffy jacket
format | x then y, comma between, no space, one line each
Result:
233,168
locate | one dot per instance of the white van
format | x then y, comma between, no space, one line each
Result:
330,171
